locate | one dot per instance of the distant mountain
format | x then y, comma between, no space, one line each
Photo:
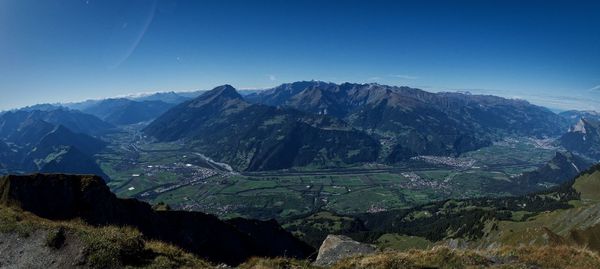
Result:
75,121
87,198
573,116
34,134
177,97
399,122
222,125
70,160
81,105
29,132
42,107
99,107
167,97
124,111
32,145
246,92
415,122
61,136
356,101
583,138
8,157
290,93
560,169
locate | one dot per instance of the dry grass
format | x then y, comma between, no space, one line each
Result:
259,263
169,256
505,257
435,258
111,247
105,247
559,257
552,256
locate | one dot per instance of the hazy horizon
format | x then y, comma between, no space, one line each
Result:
545,101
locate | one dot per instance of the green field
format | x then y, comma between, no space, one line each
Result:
176,174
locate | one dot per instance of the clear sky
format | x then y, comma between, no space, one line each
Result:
544,51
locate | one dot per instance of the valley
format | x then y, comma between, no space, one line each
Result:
178,175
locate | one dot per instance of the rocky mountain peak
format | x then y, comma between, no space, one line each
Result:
221,94
579,127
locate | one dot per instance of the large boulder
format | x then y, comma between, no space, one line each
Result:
337,247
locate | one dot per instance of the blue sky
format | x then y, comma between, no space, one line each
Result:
547,52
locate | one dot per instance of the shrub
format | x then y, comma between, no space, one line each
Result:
56,238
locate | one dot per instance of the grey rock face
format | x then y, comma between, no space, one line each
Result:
337,247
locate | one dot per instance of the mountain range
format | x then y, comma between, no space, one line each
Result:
123,111
35,140
221,124
310,123
366,122
76,121
384,108
573,116
563,167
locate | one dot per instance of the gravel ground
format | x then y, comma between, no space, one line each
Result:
31,252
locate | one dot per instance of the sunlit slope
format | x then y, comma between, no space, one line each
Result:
579,225
588,185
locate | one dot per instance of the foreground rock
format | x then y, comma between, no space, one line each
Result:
338,247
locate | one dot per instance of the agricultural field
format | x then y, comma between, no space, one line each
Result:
185,179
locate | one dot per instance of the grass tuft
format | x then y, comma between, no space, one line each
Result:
55,238
109,247
169,256
259,263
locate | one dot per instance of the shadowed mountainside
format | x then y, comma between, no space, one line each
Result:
322,124
253,137
36,145
124,111
75,121
417,122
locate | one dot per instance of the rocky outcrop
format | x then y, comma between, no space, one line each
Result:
63,197
583,138
337,247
